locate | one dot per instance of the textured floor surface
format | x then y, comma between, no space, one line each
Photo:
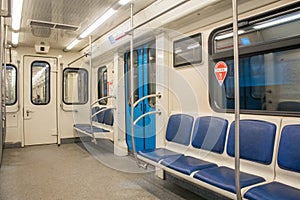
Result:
70,172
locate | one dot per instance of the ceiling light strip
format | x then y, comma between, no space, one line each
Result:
98,22
124,2
72,44
14,38
16,14
102,19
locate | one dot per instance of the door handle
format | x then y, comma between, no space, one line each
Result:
29,111
27,114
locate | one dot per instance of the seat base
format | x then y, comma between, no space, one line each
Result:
223,177
186,164
273,191
158,154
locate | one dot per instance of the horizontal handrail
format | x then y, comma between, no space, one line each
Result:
146,114
158,95
100,111
107,97
74,61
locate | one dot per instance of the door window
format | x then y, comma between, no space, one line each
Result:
40,83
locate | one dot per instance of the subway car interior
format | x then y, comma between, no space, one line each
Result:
156,99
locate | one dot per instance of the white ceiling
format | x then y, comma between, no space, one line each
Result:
80,13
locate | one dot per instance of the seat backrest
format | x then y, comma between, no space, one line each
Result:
109,117
94,110
256,141
289,106
179,129
101,115
210,133
288,152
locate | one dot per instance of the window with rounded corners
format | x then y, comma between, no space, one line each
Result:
11,85
269,70
40,83
102,85
187,51
75,86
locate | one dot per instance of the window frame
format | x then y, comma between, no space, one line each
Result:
276,45
63,85
49,83
16,85
187,63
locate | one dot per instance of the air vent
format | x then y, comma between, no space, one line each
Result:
52,25
41,31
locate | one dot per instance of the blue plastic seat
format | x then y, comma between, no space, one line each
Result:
95,110
82,126
158,154
288,159
178,131
106,117
256,145
101,115
288,152
273,191
210,133
95,129
256,141
186,164
223,177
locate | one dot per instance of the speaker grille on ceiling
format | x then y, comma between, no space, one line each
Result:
53,25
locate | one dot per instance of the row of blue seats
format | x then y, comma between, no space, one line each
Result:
270,156
102,124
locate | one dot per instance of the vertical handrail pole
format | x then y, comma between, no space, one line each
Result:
237,98
132,83
1,97
4,79
91,81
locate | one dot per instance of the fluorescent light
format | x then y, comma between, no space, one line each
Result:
98,22
16,14
72,44
228,35
15,38
278,21
178,50
124,2
193,46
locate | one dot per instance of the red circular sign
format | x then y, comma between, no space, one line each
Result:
221,72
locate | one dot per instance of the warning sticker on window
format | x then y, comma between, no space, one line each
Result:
221,72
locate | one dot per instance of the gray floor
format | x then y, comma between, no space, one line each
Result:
70,172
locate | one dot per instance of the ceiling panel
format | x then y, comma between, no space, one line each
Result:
79,13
